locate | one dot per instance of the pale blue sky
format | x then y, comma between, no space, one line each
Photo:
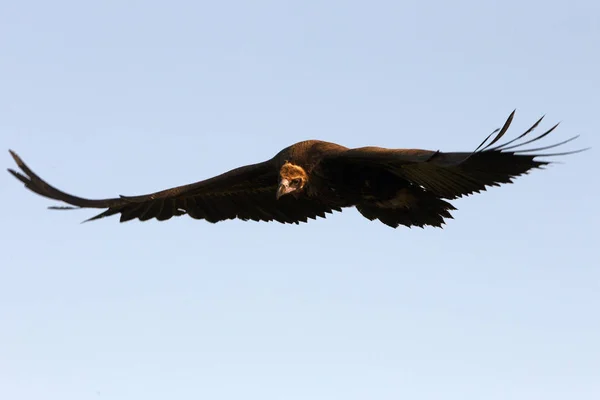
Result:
129,97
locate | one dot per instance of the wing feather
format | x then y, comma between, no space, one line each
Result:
455,174
247,193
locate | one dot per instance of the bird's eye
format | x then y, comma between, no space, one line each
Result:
296,181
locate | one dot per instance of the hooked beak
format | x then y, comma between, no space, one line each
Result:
284,188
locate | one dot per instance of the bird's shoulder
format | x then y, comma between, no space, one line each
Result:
307,153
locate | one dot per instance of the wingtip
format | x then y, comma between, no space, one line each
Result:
540,120
13,172
17,175
16,157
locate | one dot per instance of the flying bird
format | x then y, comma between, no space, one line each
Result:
312,178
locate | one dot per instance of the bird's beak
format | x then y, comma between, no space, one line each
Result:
284,188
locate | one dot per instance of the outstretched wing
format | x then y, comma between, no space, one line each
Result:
457,174
247,193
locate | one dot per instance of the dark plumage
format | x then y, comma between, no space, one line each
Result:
311,178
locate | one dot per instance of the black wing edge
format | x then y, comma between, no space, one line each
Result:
513,146
37,185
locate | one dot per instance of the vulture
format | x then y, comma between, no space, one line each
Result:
312,178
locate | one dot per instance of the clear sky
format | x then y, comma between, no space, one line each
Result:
128,97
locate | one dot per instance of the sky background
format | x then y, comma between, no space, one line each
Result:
129,97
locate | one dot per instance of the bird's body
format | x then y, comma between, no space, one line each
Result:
311,178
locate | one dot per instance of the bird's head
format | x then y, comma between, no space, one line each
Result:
292,179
